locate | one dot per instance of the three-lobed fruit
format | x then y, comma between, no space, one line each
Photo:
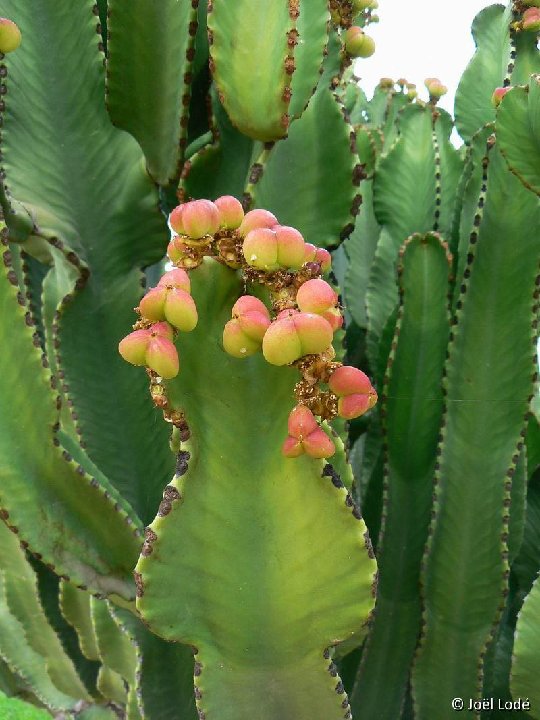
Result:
231,212
305,436
498,95
154,348
274,248
357,43
317,296
294,334
243,335
354,390
171,300
195,219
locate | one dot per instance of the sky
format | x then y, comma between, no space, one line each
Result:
416,41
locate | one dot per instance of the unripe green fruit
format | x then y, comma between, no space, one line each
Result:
532,3
360,5
10,36
257,219
231,212
358,44
531,19
260,249
236,342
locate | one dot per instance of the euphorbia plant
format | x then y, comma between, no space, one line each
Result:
186,539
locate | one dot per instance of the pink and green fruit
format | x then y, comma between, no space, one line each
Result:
305,436
231,212
293,335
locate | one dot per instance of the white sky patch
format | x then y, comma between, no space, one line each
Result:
417,39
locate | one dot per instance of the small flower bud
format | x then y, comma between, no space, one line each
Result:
290,247
358,44
531,19
231,212
257,219
260,249
10,36
498,95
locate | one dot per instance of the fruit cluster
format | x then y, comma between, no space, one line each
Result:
297,330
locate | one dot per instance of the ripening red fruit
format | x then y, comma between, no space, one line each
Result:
354,390
231,212
305,436
531,19
498,95
358,44
10,36
257,219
